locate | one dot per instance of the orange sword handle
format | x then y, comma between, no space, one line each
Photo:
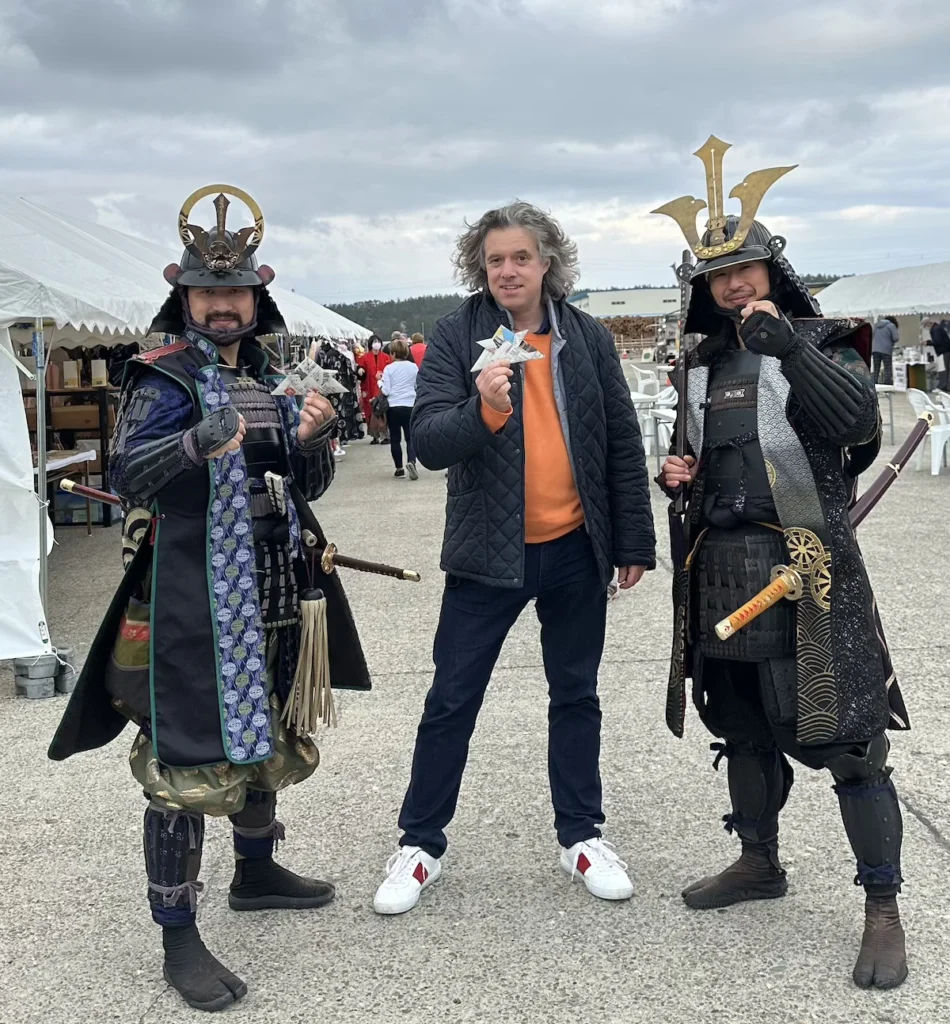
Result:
786,582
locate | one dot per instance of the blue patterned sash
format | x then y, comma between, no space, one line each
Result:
239,638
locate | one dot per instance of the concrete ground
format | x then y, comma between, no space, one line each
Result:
504,936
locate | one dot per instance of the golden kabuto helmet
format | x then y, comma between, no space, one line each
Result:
731,239
219,258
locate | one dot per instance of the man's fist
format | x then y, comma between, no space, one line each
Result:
494,385
678,471
233,444
315,412
766,331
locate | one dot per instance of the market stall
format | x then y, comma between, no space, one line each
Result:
66,284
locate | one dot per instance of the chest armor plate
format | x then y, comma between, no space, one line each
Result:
736,483
263,450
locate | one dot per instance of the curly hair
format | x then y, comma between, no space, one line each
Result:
553,245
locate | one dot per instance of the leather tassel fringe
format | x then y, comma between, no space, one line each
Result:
310,702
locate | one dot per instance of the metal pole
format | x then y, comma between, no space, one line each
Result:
39,352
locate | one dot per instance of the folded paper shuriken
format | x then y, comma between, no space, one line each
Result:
310,376
507,345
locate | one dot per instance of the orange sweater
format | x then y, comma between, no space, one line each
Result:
552,506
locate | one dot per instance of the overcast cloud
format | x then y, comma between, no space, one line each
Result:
369,129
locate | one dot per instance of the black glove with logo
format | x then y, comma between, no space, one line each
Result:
769,335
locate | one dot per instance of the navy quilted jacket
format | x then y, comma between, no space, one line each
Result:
484,522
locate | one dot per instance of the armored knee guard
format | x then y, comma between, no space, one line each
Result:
871,815
173,842
256,828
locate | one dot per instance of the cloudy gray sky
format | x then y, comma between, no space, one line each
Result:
369,129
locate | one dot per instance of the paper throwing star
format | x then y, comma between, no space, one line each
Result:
309,376
505,344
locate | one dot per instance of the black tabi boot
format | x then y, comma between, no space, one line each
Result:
759,781
259,882
872,819
173,844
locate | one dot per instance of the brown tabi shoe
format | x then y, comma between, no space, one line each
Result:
756,875
882,962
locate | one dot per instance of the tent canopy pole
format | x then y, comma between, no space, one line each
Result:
39,352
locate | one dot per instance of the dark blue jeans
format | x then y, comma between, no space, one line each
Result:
572,608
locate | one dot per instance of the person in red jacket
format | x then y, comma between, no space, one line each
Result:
372,364
417,349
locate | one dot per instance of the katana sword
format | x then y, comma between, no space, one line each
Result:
788,583
329,560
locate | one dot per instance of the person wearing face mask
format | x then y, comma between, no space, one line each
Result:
372,363
199,647
782,418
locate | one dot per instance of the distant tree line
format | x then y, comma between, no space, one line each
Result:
419,313
383,316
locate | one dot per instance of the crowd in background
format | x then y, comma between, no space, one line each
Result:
381,381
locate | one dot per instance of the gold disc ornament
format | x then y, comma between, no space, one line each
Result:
220,254
821,582
804,548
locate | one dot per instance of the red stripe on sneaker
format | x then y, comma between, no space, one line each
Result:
420,874
583,863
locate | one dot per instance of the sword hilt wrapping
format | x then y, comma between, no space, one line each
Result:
786,582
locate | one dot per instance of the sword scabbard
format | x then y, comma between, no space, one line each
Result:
331,559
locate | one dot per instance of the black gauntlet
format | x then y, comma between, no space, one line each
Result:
148,467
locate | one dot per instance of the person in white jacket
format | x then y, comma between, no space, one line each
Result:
399,387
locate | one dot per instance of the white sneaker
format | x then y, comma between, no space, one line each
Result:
408,871
602,870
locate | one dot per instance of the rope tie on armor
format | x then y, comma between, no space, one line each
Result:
272,830
722,750
170,821
886,874
862,789
173,894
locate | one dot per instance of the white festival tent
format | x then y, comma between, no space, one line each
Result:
98,279
96,286
907,291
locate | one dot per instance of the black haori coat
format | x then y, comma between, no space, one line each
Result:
184,681
846,687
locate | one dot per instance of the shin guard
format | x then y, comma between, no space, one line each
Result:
173,842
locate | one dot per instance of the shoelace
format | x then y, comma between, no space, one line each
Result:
604,855
397,867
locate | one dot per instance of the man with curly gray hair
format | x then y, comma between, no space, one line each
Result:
547,495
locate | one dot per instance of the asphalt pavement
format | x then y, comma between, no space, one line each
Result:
504,936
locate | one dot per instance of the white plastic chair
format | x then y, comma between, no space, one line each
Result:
939,433
643,403
663,419
887,391
648,382
942,399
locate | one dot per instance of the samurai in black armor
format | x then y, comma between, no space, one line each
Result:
199,648
781,418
